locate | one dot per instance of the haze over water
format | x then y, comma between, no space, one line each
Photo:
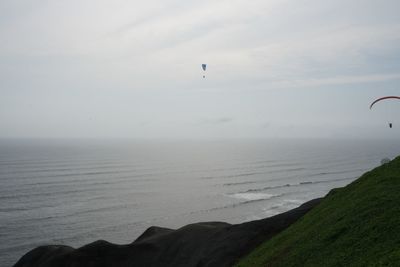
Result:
133,69
73,192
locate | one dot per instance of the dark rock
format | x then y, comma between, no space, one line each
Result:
200,244
152,232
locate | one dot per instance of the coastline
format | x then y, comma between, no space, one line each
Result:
355,225
199,244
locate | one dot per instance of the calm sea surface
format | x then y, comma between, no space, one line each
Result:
74,192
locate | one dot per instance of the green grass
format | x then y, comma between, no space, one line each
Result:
357,225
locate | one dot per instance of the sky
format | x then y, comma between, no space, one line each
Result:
132,69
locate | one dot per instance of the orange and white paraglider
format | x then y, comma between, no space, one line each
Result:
383,98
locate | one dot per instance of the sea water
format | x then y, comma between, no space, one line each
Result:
73,192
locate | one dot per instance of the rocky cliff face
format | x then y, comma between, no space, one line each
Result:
200,244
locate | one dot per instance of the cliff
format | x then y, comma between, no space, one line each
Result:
358,225
201,244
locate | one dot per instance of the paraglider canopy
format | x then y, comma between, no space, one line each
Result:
383,98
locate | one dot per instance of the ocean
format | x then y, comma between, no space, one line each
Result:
73,192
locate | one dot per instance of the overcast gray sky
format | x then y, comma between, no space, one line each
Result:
132,69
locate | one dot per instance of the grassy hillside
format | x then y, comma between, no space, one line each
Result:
358,225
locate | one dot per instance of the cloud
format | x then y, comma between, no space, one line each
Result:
136,61
338,80
222,120
266,125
